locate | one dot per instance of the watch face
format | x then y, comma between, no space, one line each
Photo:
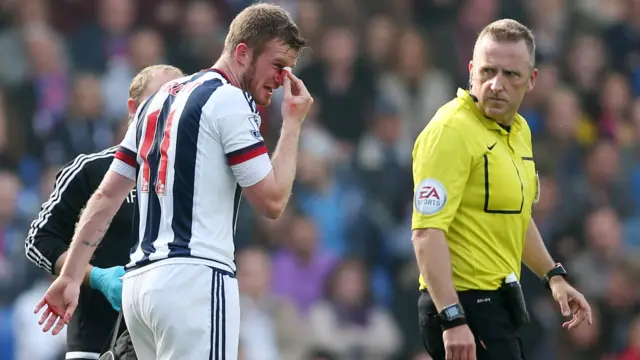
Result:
453,312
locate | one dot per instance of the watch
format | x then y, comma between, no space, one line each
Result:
451,316
558,270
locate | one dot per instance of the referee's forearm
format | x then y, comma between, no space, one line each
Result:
535,254
434,261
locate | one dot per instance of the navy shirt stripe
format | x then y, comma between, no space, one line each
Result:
185,167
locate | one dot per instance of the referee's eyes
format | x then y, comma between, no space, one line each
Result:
488,71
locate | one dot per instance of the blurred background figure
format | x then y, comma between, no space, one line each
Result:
378,70
347,322
272,328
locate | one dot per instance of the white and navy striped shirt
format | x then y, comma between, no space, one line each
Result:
191,148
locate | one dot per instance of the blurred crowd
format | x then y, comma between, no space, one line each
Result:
335,276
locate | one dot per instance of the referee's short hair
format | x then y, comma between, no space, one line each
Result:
509,30
258,24
140,81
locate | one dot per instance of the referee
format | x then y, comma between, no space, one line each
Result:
475,185
51,232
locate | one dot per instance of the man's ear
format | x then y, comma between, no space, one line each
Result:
243,54
132,106
532,80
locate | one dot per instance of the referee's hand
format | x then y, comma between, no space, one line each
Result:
59,303
572,303
459,343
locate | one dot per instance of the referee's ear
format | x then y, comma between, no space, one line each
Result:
132,106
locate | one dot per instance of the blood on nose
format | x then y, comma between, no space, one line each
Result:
279,78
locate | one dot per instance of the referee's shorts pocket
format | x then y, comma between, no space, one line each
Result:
430,331
504,349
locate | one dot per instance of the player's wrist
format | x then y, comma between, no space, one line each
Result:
292,123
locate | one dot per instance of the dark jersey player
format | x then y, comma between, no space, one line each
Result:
51,232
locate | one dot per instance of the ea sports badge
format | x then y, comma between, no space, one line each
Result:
430,197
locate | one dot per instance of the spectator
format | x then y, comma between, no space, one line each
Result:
84,129
271,326
302,266
348,323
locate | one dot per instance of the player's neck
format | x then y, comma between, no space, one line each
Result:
225,66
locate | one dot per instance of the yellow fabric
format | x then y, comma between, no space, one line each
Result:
477,182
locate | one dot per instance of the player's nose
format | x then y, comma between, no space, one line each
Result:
279,78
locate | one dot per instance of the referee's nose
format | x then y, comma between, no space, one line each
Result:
497,83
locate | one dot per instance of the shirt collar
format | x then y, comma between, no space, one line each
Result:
470,102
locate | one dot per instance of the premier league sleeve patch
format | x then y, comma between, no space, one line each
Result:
430,197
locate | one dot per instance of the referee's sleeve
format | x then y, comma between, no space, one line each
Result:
51,231
441,167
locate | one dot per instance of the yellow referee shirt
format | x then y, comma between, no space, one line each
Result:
477,182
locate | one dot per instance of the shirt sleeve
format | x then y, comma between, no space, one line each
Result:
51,232
243,144
441,167
125,159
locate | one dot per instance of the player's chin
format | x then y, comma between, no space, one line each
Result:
263,97
263,102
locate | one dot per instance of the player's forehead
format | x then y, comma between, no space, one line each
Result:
277,51
490,52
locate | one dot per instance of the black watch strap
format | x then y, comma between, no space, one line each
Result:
452,316
556,271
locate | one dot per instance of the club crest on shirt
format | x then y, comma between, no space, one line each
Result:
430,197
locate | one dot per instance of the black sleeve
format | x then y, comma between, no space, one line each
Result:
51,232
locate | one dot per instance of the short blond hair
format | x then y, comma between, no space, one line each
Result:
258,24
509,30
140,81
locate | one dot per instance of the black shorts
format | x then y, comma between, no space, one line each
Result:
487,316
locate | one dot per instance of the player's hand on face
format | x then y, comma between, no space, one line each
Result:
297,100
59,303
459,343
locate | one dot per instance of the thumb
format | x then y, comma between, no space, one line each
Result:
564,305
69,312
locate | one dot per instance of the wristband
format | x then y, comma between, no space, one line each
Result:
556,271
452,316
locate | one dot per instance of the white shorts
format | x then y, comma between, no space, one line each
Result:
182,311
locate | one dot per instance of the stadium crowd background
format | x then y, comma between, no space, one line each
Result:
337,271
